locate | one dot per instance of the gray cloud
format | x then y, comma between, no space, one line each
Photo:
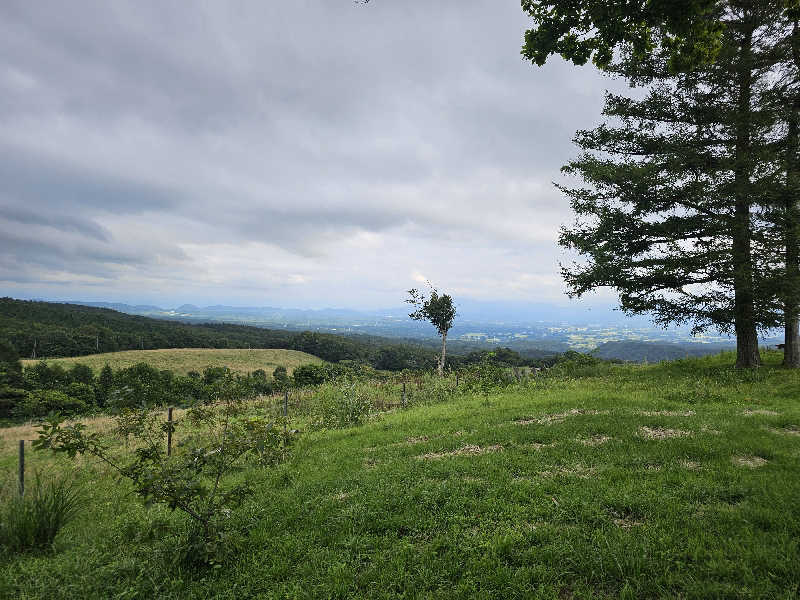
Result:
303,152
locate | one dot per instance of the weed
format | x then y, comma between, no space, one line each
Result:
32,521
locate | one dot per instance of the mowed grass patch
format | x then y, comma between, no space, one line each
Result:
183,360
552,490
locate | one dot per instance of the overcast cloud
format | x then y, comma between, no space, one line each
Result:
294,153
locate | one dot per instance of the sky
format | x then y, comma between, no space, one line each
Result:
296,153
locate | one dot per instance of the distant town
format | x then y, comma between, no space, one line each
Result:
554,334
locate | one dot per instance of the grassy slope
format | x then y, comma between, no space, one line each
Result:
541,510
183,360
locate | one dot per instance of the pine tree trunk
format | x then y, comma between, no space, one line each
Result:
791,309
791,338
747,354
444,353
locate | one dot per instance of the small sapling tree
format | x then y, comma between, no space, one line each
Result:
438,310
195,479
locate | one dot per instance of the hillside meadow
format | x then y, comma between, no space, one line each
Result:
182,360
596,481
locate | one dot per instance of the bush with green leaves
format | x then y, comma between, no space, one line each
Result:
486,376
32,521
280,377
259,382
40,403
199,478
307,375
213,374
145,385
80,373
82,392
42,376
430,389
576,364
11,380
105,382
339,404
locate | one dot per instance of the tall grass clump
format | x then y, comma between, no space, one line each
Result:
32,521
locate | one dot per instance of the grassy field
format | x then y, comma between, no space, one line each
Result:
183,360
678,480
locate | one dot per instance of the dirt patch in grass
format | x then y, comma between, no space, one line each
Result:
788,430
665,413
578,470
595,440
627,523
751,462
468,450
759,411
690,464
660,433
559,417
709,430
417,440
535,445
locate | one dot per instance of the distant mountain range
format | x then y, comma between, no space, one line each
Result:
468,310
278,327
530,329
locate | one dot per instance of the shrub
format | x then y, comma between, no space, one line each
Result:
10,366
80,373
575,364
82,392
187,391
310,375
433,390
39,403
281,377
486,376
340,404
198,478
105,381
258,381
33,521
10,398
43,376
142,385
213,374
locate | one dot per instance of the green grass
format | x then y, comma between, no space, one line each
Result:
32,521
183,360
553,490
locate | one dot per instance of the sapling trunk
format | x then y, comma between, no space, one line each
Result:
444,353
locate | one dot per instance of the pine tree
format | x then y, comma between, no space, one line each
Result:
674,216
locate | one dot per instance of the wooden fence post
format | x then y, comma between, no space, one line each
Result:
404,393
169,431
22,468
285,403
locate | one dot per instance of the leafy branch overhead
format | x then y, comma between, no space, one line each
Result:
687,30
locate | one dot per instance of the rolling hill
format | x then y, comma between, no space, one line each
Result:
182,360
